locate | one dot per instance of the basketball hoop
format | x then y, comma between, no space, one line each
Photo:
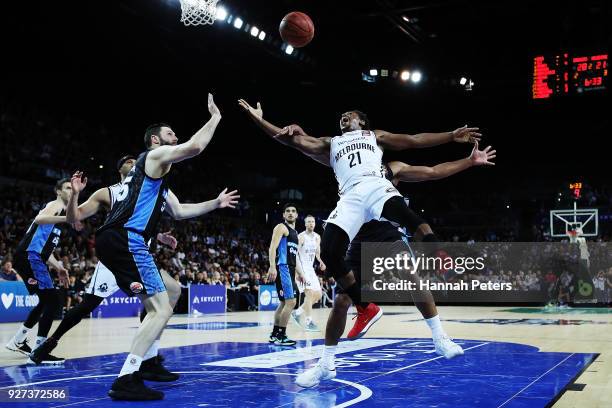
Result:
198,12
573,236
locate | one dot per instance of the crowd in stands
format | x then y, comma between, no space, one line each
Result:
228,249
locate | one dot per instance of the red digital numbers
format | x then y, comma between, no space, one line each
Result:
564,74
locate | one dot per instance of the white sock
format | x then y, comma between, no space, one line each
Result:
435,325
21,334
299,311
152,351
131,365
329,353
39,340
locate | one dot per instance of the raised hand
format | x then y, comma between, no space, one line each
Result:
212,107
78,182
291,130
167,239
228,199
482,157
258,113
466,135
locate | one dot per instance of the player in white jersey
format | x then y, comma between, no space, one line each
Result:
309,248
365,193
103,283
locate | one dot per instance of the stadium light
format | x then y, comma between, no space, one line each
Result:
221,14
254,31
262,35
416,77
463,80
101,166
238,23
374,72
289,49
405,75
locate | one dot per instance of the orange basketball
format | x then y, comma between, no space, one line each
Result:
296,28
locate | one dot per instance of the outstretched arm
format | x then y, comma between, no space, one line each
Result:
47,214
396,141
165,155
293,135
75,212
181,211
404,172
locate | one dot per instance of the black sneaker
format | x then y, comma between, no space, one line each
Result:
48,359
130,387
153,370
272,339
284,341
22,347
42,353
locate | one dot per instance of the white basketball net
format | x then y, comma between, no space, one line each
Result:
198,12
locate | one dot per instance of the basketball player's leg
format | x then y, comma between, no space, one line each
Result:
126,254
101,285
152,368
312,296
395,209
41,355
19,342
287,292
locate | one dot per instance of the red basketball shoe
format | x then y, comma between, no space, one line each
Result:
366,317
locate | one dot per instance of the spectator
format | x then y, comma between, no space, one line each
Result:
8,273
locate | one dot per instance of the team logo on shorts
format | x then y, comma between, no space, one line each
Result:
280,293
136,287
104,287
391,190
32,281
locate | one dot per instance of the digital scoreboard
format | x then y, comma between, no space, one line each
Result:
566,74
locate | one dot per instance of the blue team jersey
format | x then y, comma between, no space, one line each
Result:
286,253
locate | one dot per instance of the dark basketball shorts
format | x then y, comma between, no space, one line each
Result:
127,255
286,288
353,257
34,272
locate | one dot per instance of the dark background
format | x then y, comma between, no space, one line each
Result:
125,64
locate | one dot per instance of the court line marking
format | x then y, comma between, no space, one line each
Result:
364,392
401,368
534,381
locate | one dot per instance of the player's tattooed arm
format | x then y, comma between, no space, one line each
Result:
397,141
292,135
181,211
165,155
278,233
48,214
407,173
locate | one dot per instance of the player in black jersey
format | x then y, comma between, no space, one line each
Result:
121,243
283,254
386,231
93,296
32,255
